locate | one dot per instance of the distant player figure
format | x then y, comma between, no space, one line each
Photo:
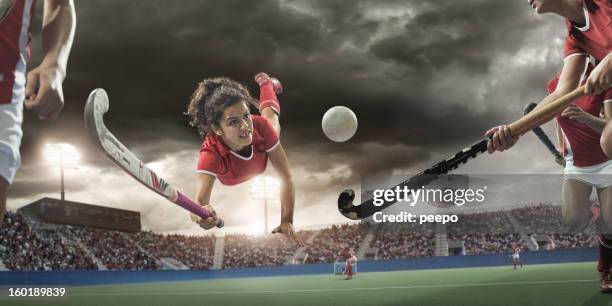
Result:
348,255
516,257
237,145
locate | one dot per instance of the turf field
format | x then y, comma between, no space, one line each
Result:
553,284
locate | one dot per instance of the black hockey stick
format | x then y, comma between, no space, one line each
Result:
542,135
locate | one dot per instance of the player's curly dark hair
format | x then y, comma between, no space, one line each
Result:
211,98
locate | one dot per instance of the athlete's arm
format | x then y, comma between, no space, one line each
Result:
44,93
279,161
204,186
600,78
569,79
573,67
596,123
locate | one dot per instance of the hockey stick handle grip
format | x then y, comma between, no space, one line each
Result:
545,113
185,202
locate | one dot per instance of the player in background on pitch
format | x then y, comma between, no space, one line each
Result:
589,32
516,257
237,145
348,255
42,92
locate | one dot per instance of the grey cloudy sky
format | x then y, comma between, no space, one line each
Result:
425,78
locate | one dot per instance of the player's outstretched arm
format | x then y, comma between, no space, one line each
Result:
44,93
278,157
502,139
204,187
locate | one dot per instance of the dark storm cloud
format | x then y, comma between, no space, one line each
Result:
466,33
424,78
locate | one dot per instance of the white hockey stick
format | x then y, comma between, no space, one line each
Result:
97,104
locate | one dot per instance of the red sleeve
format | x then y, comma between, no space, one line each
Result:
268,134
552,84
208,163
571,47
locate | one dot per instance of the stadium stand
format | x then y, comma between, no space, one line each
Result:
27,244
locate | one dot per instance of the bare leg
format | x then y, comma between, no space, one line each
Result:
606,139
576,205
605,200
605,225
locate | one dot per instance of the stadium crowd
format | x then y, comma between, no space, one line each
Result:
484,222
394,241
26,246
485,243
329,241
23,249
196,252
541,219
571,241
258,251
115,249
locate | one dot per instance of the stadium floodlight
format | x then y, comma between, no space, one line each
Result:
62,155
266,189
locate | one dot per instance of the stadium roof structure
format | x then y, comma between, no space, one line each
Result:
50,210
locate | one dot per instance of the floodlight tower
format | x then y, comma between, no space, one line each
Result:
266,189
62,155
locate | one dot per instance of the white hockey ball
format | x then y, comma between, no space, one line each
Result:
339,123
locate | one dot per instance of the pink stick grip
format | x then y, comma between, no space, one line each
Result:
188,204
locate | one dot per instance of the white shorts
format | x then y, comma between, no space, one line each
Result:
11,116
598,176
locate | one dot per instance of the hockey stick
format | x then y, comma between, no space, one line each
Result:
542,135
519,127
97,104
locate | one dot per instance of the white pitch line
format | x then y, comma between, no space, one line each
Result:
334,289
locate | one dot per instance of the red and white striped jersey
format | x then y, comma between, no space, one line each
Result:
231,168
15,37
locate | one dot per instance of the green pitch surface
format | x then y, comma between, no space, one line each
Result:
554,284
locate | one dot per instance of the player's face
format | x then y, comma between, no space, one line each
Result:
237,127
